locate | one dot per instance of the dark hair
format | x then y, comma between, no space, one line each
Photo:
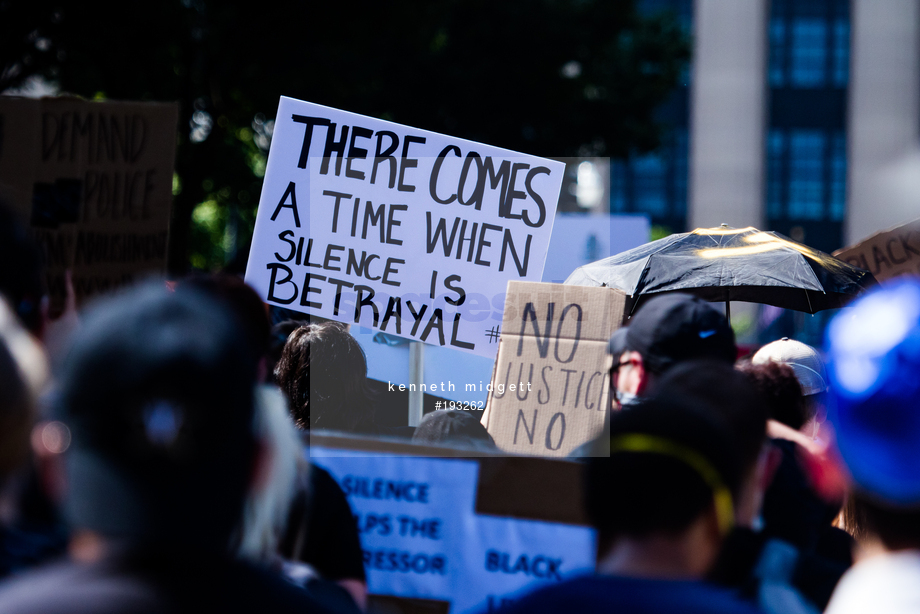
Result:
21,270
323,373
242,300
453,427
637,493
898,529
158,392
780,389
728,396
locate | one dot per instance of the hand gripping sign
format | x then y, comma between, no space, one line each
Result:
405,231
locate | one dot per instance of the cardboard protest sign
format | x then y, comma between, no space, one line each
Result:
550,388
457,534
887,254
94,181
401,230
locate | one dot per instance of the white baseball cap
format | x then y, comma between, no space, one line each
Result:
804,360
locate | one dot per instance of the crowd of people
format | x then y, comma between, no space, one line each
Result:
152,458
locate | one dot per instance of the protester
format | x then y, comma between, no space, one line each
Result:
778,387
793,511
454,428
873,362
246,306
662,502
323,372
158,396
809,370
767,568
316,544
666,331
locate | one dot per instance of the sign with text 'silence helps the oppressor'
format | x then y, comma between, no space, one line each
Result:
405,231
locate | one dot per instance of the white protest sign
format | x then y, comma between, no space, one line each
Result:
398,229
422,537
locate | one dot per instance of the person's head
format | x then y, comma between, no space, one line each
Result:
808,367
671,476
873,364
730,399
777,385
668,330
157,392
245,304
453,428
279,336
323,372
21,272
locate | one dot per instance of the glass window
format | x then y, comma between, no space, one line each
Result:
777,52
649,175
808,55
806,174
618,197
680,171
838,179
776,151
841,68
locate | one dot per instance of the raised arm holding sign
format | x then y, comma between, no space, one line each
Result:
369,222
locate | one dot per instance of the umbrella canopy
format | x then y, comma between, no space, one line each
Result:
729,264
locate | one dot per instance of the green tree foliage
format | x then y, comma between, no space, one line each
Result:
547,77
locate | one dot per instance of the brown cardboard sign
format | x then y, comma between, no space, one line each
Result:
550,388
887,254
94,182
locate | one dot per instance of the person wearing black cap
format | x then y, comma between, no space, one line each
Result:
667,330
158,395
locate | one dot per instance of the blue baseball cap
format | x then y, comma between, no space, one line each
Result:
873,365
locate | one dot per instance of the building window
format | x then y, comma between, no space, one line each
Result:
838,176
777,52
806,174
841,53
654,183
776,153
809,43
808,55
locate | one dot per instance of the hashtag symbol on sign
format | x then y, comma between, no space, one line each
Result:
493,333
437,405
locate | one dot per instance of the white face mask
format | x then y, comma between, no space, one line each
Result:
625,398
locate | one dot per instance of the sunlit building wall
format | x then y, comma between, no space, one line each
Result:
825,117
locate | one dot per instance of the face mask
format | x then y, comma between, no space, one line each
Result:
625,398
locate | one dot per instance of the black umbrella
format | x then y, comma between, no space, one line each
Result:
728,264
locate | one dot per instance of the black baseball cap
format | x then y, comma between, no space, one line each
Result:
676,327
158,392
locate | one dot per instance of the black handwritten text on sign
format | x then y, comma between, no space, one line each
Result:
373,223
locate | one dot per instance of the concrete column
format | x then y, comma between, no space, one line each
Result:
728,113
884,112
